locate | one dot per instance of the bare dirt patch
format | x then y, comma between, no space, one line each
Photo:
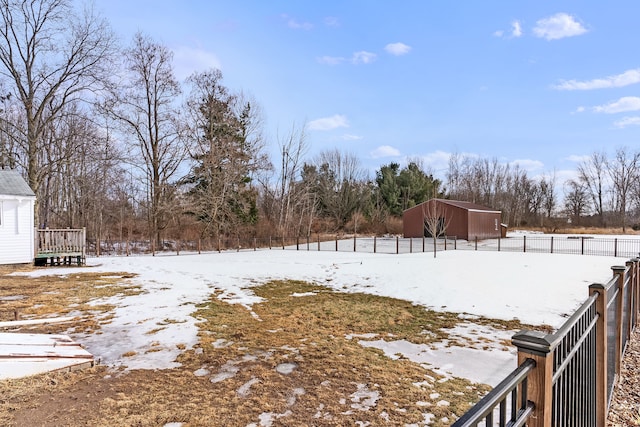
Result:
286,362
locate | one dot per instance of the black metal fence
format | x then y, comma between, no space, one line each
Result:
567,378
575,245
504,405
336,243
571,245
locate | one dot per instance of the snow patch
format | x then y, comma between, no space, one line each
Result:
364,399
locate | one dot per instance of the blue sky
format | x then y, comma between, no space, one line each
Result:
538,83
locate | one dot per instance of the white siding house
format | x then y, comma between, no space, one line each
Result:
16,219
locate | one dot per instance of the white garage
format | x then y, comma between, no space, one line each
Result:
17,202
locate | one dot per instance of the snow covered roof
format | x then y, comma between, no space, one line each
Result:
12,184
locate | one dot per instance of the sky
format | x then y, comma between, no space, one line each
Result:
540,84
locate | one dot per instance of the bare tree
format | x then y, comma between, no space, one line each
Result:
341,180
576,200
623,170
147,111
547,186
435,221
52,57
592,172
293,193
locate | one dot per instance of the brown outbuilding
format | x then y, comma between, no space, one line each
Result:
465,220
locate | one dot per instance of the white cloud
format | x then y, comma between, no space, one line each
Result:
385,151
564,175
558,26
350,137
626,103
331,60
516,29
578,158
580,109
627,121
363,57
528,164
397,49
187,60
331,21
329,123
627,78
437,161
294,24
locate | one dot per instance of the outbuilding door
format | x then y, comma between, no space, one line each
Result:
441,228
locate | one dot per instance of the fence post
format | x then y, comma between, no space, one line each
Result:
455,242
499,240
297,243
374,244
535,345
618,272
476,240
635,293
629,308
524,243
551,244
410,245
397,245
336,243
445,242
354,243
615,247
423,242
318,242
269,242
283,242
307,242
219,249
602,394
199,247
582,246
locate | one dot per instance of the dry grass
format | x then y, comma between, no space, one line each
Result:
239,360
28,297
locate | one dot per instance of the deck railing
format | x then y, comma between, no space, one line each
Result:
61,245
567,378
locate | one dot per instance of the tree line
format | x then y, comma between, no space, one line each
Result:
109,139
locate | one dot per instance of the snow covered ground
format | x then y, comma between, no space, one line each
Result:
534,288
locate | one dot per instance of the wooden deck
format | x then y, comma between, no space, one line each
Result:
60,247
22,355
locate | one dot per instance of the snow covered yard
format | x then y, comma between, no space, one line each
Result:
156,329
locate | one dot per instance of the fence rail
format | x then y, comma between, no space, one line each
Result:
574,245
575,368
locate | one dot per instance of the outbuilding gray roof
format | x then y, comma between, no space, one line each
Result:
12,184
